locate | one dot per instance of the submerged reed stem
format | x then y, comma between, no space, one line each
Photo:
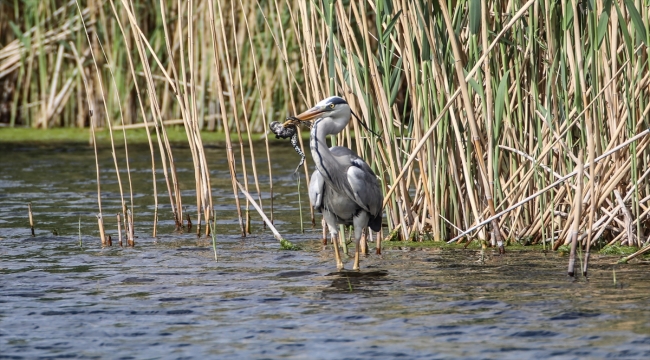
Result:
31,218
80,243
212,223
119,230
102,234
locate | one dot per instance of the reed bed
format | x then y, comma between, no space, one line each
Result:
484,109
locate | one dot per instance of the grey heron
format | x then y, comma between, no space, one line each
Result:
343,187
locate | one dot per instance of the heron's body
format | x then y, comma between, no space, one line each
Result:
343,187
337,205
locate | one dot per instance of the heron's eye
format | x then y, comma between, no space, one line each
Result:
331,106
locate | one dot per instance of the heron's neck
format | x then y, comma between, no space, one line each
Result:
320,152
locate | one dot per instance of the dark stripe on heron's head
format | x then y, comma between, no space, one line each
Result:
336,100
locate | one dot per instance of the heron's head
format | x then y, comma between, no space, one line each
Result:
334,111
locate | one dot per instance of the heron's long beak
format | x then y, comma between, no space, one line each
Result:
308,115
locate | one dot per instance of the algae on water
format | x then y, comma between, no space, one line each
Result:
287,245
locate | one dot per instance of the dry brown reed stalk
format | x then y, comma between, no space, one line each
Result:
641,251
246,124
268,222
576,214
119,229
245,223
452,98
290,80
263,111
229,150
627,216
202,177
131,236
551,186
31,218
100,219
146,125
128,220
163,142
117,170
476,139
102,234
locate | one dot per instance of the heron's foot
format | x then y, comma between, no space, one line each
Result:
339,266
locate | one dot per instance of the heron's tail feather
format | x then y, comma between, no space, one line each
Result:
375,222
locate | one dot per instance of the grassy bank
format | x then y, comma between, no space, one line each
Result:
136,136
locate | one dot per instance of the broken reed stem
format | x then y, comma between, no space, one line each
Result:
212,224
31,218
259,210
131,237
637,253
102,235
577,214
119,230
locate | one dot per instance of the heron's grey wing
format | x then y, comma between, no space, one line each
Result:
316,186
359,181
365,186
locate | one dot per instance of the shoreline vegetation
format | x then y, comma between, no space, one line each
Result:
175,134
498,120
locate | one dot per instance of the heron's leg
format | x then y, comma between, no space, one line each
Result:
364,242
360,222
358,232
337,255
324,231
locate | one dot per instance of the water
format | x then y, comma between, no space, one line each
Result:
170,299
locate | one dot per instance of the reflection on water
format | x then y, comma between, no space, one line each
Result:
169,299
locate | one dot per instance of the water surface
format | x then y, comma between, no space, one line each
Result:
168,298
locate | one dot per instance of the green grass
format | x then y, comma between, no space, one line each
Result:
475,245
428,244
618,250
76,135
